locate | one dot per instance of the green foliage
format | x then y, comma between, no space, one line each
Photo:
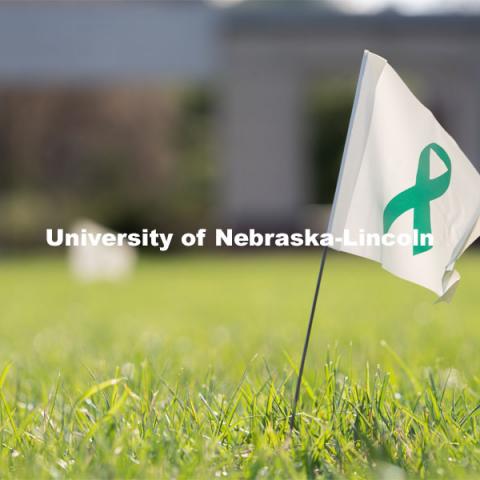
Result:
126,157
328,113
187,371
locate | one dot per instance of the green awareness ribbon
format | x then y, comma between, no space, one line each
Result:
420,195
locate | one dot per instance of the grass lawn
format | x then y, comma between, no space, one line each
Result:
187,370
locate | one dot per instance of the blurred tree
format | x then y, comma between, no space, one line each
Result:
126,157
328,111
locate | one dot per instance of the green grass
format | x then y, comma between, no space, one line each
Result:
187,371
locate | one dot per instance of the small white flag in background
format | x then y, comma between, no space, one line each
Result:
401,171
91,263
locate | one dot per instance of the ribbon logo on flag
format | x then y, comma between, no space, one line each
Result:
420,195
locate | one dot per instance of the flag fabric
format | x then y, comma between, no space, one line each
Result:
403,173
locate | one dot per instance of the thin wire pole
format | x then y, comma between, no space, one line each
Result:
307,338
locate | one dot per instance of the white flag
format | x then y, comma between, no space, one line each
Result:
402,173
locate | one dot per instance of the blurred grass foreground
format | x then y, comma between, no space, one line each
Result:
187,371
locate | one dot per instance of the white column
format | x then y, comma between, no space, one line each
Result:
263,165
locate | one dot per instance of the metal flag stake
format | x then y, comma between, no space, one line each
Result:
307,338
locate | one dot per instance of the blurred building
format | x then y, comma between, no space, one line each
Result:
262,58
